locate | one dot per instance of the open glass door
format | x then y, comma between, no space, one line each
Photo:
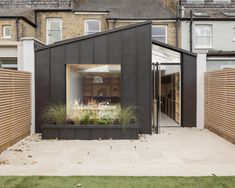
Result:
169,95
167,87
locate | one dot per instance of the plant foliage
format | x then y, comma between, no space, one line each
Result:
55,114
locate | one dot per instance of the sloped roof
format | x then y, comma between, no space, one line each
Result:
128,9
26,13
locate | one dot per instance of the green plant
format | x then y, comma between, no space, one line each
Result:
85,118
55,113
127,115
104,121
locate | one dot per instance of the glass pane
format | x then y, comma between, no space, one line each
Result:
54,36
169,91
54,24
203,30
164,55
92,26
7,31
204,41
8,63
158,30
161,39
95,89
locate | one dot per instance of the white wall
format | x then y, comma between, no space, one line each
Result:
223,35
24,52
27,63
201,69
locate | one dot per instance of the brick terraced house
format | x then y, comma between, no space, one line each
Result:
54,20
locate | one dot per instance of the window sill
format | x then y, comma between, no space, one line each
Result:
204,48
6,38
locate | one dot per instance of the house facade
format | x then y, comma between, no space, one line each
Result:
52,21
209,30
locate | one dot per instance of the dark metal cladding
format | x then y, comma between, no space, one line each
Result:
189,90
129,46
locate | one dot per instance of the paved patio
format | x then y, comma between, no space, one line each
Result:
174,152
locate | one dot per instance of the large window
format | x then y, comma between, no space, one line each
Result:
53,30
93,88
159,33
92,26
8,63
6,31
203,36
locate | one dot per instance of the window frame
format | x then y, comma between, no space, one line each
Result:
86,25
9,66
4,32
221,1
200,46
196,1
166,32
233,34
48,20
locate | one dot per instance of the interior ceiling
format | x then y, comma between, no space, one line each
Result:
91,68
163,55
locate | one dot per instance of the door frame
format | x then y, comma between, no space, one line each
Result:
157,96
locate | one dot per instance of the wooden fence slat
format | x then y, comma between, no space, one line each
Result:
220,103
15,106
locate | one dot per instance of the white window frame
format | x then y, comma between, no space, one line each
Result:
47,28
222,1
86,25
8,66
195,1
166,36
234,34
4,32
198,46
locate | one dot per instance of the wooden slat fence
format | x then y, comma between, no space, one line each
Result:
15,106
220,103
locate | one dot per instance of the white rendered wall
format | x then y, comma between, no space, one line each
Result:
28,64
223,35
201,69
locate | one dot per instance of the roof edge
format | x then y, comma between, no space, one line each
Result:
20,17
93,35
170,47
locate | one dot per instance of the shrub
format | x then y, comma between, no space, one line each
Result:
85,118
127,115
55,114
104,121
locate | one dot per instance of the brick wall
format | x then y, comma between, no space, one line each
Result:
12,23
171,29
25,30
72,24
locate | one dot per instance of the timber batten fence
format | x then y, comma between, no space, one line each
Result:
15,106
220,103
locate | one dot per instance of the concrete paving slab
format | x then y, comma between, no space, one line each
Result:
174,152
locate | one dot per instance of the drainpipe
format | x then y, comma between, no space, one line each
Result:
114,23
191,30
177,25
107,22
17,29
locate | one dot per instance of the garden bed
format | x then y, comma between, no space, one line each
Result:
89,132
